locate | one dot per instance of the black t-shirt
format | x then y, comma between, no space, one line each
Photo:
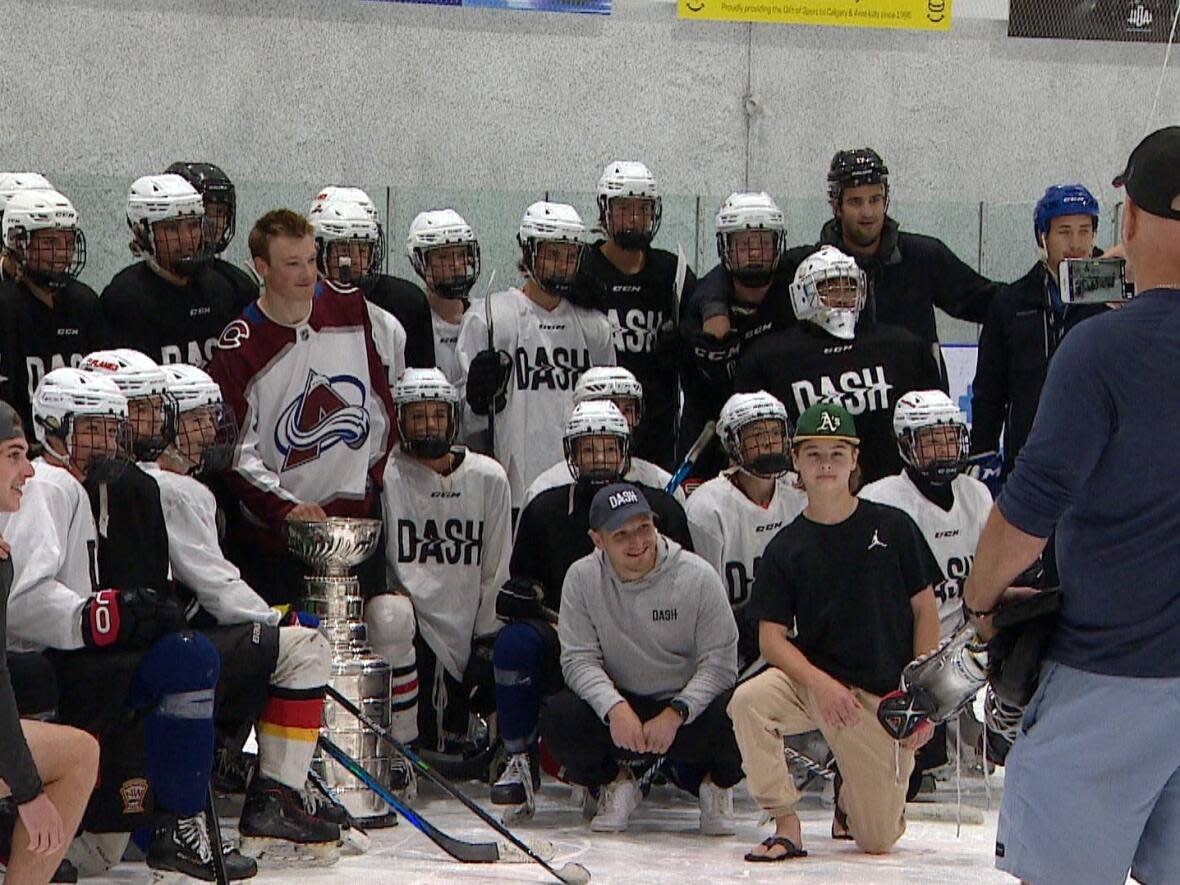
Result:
408,303
35,339
847,590
245,289
171,324
643,311
867,374
132,534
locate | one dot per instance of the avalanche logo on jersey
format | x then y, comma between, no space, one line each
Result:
330,410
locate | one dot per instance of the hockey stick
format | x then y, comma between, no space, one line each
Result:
690,459
356,837
813,768
487,318
570,873
213,825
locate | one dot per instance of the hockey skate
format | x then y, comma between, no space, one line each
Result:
403,780
936,686
1001,726
277,826
517,786
183,846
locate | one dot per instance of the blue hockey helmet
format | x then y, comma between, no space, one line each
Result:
1060,200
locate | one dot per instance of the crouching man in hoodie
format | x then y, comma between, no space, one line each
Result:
649,655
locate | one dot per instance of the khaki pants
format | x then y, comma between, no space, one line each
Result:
771,706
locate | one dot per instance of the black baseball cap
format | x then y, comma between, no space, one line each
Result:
616,503
1152,176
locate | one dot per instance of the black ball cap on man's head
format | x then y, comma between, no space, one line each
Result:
613,505
1152,176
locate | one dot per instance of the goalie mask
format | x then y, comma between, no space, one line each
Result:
166,216
931,435
829,290
750,237
612,383
151,409
629,205
552,239
755,433
349,241
80,419
220,199
597,443
40,232
427,413
444,252
206,429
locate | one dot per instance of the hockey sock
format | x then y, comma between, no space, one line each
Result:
518,658
176,679
403,694
290,722
390,622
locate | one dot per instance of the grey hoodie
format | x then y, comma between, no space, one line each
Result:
668,635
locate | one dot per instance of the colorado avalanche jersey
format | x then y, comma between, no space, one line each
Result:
314,408
952,535
194,552
53,542
549,349
640,471
448,540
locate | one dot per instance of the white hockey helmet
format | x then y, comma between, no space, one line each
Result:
154,199
65,395
336,193
29,211
742,410
812,288
338,220
924,419
426,385
750,211
139,378
612,383
596,418
14,182
550,223
205,441
629,178
444,229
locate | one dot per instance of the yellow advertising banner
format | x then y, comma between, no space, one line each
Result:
923,15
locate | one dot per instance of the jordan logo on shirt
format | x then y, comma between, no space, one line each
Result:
876,542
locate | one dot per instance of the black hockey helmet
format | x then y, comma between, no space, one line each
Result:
853,168
214,186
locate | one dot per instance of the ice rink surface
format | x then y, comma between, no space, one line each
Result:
662,846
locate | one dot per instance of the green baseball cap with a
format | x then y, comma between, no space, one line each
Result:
825,421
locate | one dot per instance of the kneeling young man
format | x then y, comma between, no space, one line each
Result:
649,652
854,577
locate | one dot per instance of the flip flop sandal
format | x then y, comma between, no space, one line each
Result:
792,850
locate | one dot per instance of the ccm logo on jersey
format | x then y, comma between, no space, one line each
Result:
952,533
769,527
331,410
859,391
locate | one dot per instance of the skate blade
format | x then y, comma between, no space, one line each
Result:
279,852
522,814
543,848
173,877
355,841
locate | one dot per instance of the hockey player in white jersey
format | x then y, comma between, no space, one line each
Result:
734,515
948,506
618,385
349,248
524,373
448,525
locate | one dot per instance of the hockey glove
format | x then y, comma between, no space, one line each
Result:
1023,630
132,619
487,381
715,358
520,599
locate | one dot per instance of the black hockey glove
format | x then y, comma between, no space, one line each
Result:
1023,630
487,381
131,619
715,358
521,599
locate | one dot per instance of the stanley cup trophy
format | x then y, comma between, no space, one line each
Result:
331,548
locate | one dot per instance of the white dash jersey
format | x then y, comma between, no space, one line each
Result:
730,531
952,536
53,540
550,349
448,539
389,337
640,471
194,552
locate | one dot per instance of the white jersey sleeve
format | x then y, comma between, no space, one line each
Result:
653,475
557,475
389,337
497,549
190,514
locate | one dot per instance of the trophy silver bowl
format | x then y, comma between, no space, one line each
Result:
331,548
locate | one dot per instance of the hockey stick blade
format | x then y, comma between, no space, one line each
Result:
707,434
570,873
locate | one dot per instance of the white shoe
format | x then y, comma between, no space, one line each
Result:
615,804
717,817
